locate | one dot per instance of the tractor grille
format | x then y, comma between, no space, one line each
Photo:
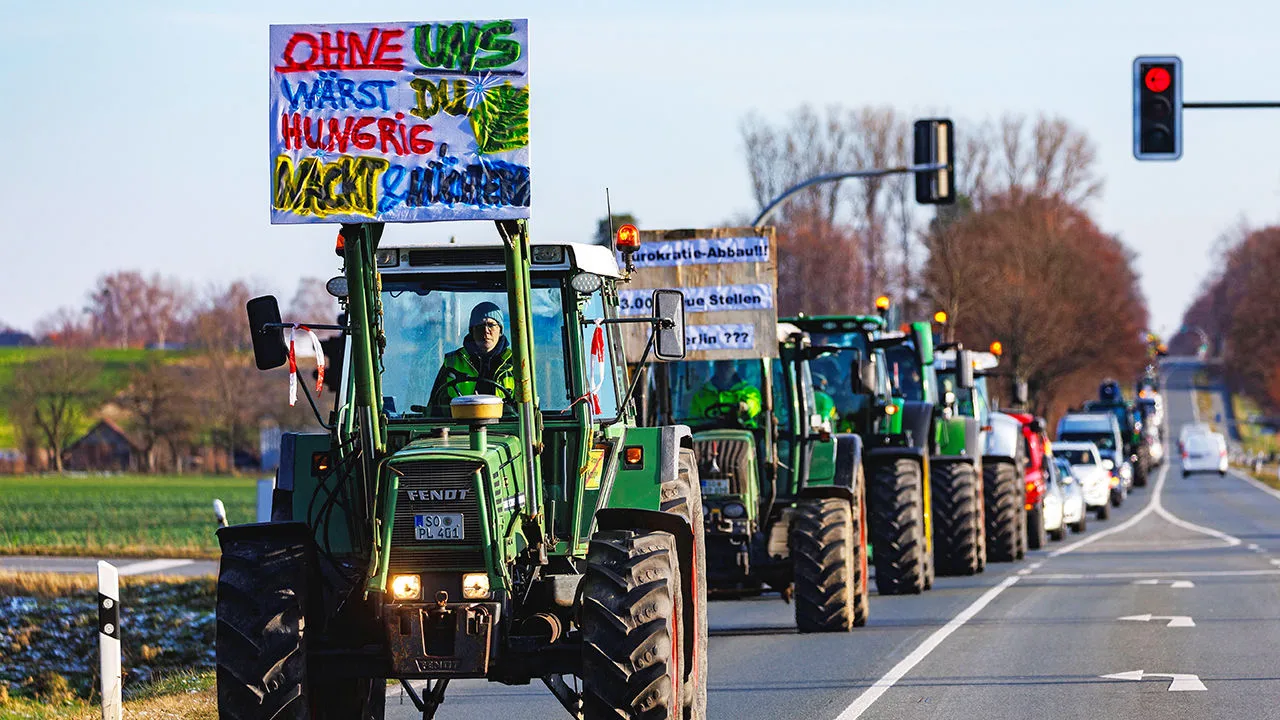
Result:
725,459
410,554
449,257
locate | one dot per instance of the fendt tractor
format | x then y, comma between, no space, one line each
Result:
959,499
514,527
782,494
1111,399
850,366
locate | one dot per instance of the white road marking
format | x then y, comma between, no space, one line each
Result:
1174,620
1230,540
1254,547
868,697
1252,481
1180,573
1179,584
1182,682
152,566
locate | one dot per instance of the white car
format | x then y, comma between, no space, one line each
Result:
1063,501
1205,452
1189,430
1087,469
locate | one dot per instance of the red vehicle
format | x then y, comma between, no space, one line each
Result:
1034,443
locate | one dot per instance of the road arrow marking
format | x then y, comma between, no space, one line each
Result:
1275,562
1178,584
1174,620
1182,682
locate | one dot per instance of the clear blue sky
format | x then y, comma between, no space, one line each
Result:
136,132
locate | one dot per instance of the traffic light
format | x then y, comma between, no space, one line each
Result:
934,145
1157,107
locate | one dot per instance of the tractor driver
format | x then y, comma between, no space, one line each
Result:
481,366
726,389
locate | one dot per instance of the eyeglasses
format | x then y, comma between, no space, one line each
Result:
490,325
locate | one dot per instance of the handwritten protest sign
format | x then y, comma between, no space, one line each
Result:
729,277
400,122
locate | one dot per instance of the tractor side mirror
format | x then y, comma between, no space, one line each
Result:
1020,392
922,335
669,335
268,341
964,370
868,373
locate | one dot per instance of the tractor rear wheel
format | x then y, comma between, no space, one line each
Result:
1004,510
683,496
259,641
631,627
957,518
828,557
895,513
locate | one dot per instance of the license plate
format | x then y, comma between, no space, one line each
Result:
715,487
438,526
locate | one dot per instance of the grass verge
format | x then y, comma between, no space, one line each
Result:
119,515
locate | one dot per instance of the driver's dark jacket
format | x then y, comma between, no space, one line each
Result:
489,373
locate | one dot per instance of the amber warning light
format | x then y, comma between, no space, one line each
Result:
628,237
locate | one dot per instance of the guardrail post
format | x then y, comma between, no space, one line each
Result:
109,640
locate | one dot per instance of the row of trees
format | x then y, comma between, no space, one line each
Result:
1238,309
127,309
1018,259
207,395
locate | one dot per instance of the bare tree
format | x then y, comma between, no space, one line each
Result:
230,386
51,397
161,401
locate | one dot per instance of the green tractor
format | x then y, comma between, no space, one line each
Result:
783,496
850,366
959,444
513,528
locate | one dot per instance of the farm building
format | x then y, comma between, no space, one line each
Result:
106,447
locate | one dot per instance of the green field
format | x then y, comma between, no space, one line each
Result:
121,515
117,364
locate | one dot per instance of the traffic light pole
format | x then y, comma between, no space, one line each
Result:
1229,105
836,177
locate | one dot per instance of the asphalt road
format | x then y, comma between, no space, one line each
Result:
1201,555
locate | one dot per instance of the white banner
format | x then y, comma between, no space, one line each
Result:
720,337
755,296
702,251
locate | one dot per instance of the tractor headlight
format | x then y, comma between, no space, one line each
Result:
735,510
475,586
406,587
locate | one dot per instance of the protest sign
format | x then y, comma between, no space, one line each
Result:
729,280
399,122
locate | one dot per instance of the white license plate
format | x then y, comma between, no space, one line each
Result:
715,487
438,526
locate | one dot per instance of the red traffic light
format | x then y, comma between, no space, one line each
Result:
1157,79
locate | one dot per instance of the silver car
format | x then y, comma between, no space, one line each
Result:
1088,470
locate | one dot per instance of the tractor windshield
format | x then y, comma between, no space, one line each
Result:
835,371
904,372
448,336
717,390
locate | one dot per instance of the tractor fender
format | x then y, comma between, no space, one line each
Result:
848,458
916,419
631,518
671,439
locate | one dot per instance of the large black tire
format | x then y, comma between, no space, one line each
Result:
1004,510
1035,527
683,496
631,627
895,526
259,642
829,565
957,519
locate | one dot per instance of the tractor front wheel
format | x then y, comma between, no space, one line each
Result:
631,627
1004,510
895,513
828,554
683,496
957,518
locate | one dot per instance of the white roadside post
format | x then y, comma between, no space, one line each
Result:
109,640
220,512
266,486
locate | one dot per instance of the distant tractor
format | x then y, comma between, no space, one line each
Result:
783,495
483,504
958,490
852,368
1136,444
